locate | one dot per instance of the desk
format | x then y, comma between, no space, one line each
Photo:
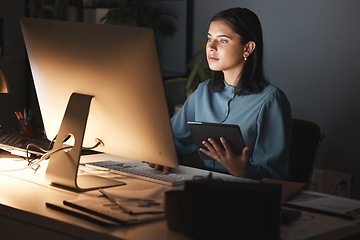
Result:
23,214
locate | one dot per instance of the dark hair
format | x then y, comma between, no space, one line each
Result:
245,23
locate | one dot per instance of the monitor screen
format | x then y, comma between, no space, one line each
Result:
118,66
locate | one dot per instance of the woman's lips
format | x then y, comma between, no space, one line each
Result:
212,59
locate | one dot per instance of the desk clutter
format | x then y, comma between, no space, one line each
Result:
215,209
16,143
271,209
205,208
124,207
208,208
25,119
327,204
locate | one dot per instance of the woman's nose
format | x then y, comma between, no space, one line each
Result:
212,45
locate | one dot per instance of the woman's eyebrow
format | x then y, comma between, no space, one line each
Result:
220,35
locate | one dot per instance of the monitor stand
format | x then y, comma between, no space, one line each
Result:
63,165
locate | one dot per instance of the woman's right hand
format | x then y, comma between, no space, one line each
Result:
164,169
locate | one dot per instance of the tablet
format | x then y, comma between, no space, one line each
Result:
201,131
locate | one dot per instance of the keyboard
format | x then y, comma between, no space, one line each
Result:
141,171
15,141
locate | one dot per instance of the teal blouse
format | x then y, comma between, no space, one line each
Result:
264,120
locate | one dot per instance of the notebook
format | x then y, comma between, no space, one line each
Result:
326,203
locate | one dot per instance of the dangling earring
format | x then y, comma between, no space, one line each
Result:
245,57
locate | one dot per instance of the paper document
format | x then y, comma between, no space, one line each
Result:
313,225
140,201
325,203
145,205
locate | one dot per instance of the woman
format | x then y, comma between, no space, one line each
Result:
238,94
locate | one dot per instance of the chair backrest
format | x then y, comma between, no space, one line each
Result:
305,140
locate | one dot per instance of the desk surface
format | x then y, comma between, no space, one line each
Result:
24,195
23,213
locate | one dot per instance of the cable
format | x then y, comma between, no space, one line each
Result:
46,155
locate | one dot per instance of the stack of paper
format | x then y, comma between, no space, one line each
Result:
126,206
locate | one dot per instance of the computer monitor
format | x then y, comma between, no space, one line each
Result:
113,77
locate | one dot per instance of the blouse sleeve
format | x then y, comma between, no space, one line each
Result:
182,136
270,157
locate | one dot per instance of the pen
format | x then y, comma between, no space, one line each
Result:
17,115
124,208
81,214
21,116
30,114
25,115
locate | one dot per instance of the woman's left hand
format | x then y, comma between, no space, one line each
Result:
236,164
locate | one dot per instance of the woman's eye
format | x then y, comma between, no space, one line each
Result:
223,41
209,39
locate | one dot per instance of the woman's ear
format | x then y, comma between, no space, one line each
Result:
249,48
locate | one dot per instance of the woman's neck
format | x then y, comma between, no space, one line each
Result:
232,77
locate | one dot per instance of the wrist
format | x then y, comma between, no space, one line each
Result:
239,173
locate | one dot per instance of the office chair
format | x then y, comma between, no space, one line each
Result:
305,140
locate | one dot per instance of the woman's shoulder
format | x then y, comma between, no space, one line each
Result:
205,83
269,95
271,90
202,87
274,95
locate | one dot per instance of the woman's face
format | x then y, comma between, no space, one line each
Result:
224,49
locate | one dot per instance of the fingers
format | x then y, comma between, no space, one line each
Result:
227,147
208,146
166,170
214,149
152,165
215,145
212,155
157,167
245,152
